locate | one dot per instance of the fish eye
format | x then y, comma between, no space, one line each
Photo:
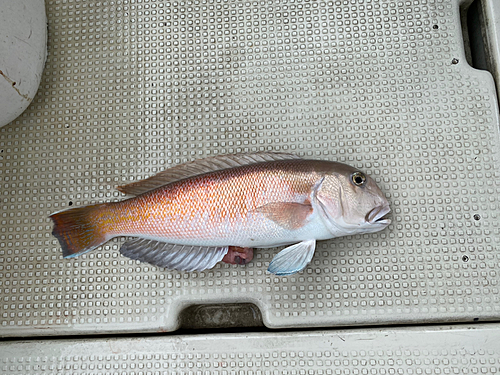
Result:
358,178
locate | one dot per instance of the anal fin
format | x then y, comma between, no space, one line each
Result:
171,256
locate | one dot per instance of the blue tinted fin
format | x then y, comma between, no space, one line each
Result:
293,258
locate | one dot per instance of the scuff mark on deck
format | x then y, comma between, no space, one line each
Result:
13,84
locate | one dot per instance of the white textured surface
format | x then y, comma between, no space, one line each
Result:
448,350
131,88
23,49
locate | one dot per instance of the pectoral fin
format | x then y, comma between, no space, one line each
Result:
175,257
289,215
293,258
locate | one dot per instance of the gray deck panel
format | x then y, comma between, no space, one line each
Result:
131,88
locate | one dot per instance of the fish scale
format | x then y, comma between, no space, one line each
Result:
213,205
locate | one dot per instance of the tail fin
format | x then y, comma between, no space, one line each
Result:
79,230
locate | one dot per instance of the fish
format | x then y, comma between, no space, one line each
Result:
194,215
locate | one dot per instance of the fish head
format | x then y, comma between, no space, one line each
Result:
350,202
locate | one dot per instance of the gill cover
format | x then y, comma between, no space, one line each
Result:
328,197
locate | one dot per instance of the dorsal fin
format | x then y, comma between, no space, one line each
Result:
196,167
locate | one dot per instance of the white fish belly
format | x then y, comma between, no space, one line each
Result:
267,233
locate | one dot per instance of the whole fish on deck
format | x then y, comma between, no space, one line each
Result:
192,216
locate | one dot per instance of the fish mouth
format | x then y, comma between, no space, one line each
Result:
376,216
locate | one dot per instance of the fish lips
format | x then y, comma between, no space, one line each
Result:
377,216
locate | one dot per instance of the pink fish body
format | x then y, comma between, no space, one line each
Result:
189,217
